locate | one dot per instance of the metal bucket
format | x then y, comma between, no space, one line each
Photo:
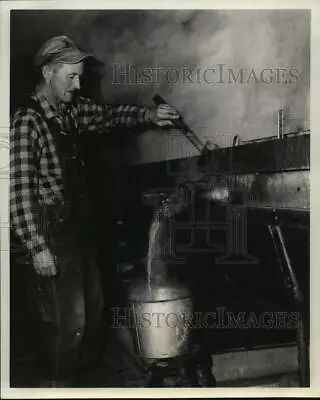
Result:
161,319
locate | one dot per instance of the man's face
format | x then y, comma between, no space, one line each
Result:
65,80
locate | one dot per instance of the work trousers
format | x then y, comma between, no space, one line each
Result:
68,307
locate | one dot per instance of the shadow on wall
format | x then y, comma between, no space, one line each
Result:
204,61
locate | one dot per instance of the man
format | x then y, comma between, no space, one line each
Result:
49,208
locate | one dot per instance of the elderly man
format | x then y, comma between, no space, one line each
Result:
49,207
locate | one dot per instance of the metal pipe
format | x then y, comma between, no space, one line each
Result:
302,339
295,286
280,124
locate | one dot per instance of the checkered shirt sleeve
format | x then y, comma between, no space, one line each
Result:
24,154
96,117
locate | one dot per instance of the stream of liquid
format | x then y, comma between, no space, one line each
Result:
153,246
159,247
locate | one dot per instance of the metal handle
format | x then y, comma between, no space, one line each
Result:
183,127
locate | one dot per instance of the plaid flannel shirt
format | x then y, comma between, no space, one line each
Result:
35,173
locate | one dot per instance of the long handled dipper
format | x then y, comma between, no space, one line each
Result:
189,134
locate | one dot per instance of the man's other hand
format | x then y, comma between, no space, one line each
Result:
44,263
162,115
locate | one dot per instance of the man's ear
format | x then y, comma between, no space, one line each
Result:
47,72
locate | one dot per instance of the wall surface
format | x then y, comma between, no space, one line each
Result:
218,94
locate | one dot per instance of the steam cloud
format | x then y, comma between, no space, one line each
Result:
179,39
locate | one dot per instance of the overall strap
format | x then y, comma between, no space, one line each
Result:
35,105
52,124
68,148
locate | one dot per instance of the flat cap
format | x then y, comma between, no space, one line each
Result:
60,49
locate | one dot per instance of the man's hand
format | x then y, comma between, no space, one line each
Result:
162,115
44,263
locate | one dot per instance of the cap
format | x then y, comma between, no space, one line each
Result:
60,49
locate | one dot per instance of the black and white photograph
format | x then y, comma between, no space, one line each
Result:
158,198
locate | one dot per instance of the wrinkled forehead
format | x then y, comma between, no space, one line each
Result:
71,69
